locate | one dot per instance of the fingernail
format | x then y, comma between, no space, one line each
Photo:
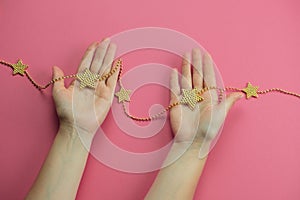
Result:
105,39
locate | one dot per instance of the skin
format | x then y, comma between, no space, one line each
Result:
192,129
61,173
62,170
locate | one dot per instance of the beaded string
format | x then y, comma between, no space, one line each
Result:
189,97
21,69
221,91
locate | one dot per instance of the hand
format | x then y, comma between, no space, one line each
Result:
208,116
98,59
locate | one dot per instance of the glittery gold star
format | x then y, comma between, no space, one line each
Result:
251,91
87,79
19,68
123,95
191,97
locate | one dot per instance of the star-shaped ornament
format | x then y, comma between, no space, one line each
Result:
87,79
19,68
251,91
191,97
123,95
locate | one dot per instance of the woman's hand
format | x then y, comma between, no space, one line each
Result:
61,173
208,116
193,129
79,107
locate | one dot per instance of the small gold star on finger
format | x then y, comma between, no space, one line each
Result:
123,95
251,91
191,97
87,79
19,68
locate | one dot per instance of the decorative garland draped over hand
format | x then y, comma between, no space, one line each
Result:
189,97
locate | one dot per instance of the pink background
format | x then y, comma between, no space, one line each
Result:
256,156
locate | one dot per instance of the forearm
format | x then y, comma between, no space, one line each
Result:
61,173
178,180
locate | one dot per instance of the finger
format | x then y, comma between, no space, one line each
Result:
231,99
197,68
58,85
174,86
108,59
87,58
99,56
208,71
107,64
209,75
186,79
112,81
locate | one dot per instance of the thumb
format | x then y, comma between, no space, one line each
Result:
231,99
57,73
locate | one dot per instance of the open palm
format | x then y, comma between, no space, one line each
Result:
87,108
208,116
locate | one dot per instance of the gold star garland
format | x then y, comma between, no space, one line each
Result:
19,68
189,97
123,95
87,79
251,91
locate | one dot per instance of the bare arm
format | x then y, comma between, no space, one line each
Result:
180,179
61,173
192,129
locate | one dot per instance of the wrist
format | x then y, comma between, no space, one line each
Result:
72,132
184,151
193,139
66,127
67,131
199,147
